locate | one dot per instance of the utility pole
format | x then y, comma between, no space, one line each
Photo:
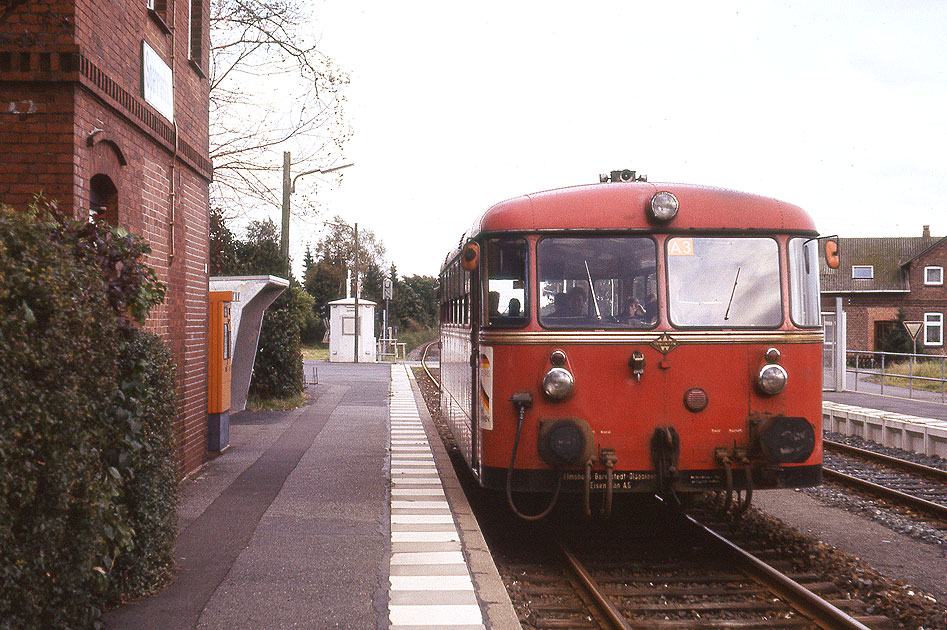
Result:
357,330
284,232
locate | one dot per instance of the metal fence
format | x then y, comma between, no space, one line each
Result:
897,374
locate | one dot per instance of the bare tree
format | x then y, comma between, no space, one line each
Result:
271,90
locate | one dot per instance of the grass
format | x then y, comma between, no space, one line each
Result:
276,404
415,338
897,375
318,352
412,339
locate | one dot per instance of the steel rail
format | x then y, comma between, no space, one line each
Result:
604,603
424,363
818,610
821,612
923,505
937,473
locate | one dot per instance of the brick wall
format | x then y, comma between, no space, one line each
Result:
864,309
71,107
928,298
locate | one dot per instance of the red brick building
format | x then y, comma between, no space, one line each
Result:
879,276
104,108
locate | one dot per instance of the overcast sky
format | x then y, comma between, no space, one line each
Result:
839,107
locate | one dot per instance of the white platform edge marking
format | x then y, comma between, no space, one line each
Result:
412,463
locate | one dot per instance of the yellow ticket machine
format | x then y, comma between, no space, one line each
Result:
218,391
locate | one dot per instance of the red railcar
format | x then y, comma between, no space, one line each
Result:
635,337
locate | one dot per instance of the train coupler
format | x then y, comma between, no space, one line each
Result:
665,451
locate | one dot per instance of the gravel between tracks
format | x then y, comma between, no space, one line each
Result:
899,520
910,607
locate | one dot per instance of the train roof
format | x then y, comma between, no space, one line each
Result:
623,206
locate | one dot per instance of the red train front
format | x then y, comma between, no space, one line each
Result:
635,337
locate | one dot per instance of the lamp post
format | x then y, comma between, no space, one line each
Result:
357,330
289,187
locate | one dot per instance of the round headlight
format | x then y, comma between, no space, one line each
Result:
558,383
664,207
772,379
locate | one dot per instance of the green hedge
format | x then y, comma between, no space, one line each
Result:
278,369
142,450
86,412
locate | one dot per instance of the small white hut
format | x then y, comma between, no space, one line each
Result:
342,331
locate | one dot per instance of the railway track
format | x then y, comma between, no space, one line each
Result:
424,357
681,575
666,571
914,486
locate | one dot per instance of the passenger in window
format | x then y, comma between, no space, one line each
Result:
513,310
634,311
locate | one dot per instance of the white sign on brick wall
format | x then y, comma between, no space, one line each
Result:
157,82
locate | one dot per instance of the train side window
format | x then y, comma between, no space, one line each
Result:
804,294
506,302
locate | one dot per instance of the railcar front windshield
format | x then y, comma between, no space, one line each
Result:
723,282
597,282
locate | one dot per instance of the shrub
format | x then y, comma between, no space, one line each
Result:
415,338
142,450
55,322
278,370
70,467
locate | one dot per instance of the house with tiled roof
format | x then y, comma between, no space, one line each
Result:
879,276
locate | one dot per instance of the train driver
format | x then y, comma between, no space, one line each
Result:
575,304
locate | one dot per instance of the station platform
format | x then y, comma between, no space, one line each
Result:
912,425
345,513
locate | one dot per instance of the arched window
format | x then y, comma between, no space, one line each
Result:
103,200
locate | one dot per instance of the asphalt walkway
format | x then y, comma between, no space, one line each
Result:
287,530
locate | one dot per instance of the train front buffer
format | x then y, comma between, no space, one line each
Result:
668,417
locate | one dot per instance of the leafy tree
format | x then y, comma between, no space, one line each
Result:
223,249
277,370
415,304
334,255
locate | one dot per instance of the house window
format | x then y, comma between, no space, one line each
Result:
103,200
933,276
863,272
196,30
158,9
933,329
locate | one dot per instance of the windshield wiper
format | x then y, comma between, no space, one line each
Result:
598,313
732,292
